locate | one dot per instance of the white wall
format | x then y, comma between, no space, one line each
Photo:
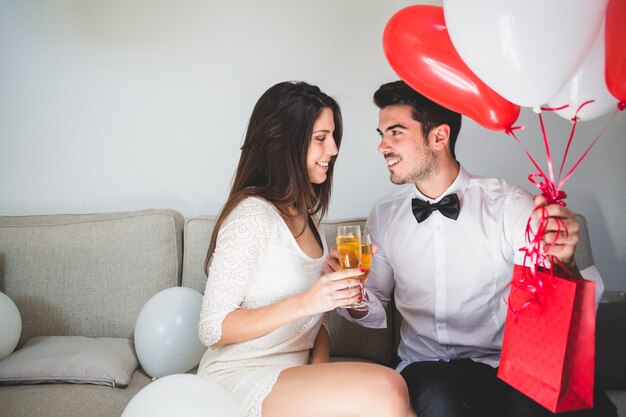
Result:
127,104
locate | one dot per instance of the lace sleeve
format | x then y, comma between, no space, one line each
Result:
241,243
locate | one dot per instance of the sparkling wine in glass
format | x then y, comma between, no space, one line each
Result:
349,251
366,263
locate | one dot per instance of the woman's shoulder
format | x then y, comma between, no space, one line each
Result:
254,212
253,206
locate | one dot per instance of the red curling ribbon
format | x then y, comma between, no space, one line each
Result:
535,252
510,130
555,108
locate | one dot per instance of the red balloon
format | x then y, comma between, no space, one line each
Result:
418,47
615,49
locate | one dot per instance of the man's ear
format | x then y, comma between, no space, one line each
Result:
441,135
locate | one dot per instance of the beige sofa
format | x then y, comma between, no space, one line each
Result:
89,275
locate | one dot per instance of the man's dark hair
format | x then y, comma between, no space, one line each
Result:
425,111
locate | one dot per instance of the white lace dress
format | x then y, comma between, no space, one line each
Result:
257,262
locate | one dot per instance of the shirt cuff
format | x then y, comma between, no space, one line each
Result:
376,317
591,273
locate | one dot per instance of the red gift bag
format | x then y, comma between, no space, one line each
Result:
549,340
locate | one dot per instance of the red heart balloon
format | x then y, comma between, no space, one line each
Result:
615,49
418,47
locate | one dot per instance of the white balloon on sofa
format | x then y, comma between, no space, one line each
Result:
166,332
181,395
10,325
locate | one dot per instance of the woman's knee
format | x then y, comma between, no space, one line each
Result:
388,394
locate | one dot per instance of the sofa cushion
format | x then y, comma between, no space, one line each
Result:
71,359
197,236
84,400
88,274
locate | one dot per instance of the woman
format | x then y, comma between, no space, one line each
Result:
262,312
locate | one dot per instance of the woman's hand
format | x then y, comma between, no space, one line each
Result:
331,263
332,290
561,235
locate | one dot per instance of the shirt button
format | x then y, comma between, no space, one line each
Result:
439,295
441,326
437,228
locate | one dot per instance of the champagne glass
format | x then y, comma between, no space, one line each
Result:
349,250
366,263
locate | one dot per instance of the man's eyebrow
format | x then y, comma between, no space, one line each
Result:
392,127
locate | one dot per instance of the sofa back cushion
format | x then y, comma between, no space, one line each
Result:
88,274
196,237
583,254
347,339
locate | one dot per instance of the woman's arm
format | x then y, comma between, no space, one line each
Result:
328,292
242,243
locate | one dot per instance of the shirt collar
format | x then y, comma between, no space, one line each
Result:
458,187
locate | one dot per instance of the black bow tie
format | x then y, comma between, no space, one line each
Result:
448,206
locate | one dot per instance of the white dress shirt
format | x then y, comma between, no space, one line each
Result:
449,278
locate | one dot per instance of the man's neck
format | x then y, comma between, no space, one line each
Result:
440,181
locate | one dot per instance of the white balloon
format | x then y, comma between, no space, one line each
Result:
182,395
588,83
166,332
10,326
525,50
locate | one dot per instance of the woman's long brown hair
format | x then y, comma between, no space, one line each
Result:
273,161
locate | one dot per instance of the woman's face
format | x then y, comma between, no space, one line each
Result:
322,147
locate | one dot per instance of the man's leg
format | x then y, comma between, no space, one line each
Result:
519,405
481,388
602,407
435,389
465,388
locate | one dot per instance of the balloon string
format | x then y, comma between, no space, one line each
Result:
555,108
546,145
511,132
571,135
571,171
536,252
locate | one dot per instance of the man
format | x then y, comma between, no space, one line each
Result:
448,268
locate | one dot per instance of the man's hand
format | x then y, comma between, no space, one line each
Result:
331,264
561,235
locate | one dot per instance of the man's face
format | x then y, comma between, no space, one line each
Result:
408,154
